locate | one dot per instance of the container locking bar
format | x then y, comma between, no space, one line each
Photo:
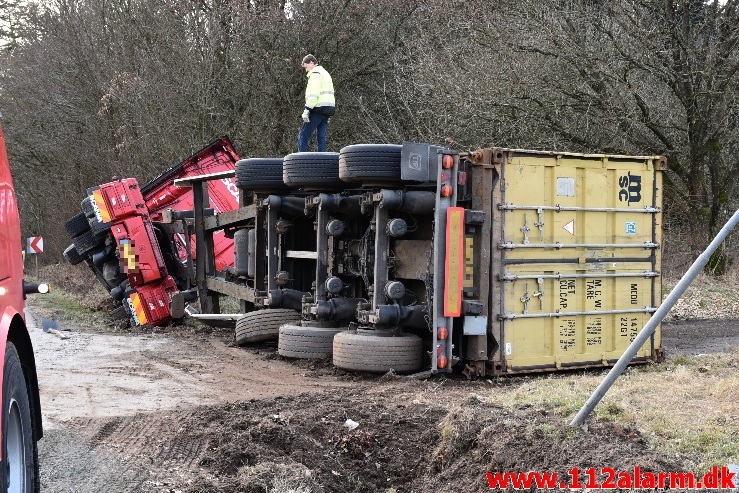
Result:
559,208
512,277
512,316
507,245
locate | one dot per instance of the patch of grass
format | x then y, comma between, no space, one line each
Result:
75,296
76,282
708,297
611,411
562,395
271,477
721,290
59,305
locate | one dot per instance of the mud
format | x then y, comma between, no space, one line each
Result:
185,411
695,337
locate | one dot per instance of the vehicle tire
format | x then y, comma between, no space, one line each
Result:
20,456
87,241
367,352
87,208
120,313
370,163
72,256
77,225
92,220
260,175
306,342
97,227
264,325
312,170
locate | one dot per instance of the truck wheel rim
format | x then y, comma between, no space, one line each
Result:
16,459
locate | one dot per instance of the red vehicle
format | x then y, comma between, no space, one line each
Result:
143,260
20,419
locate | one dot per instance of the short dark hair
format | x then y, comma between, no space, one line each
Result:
310,59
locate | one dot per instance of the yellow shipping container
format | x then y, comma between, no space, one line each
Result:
574,257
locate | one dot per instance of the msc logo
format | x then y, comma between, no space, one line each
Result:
630,188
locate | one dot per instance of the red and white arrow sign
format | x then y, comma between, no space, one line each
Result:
35,244
570,227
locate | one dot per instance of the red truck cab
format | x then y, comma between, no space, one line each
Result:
127,220
20,419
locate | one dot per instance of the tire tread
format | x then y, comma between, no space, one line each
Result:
372,353
263,325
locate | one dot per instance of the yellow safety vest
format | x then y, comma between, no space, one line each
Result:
320,89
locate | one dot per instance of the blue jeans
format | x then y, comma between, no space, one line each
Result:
318,123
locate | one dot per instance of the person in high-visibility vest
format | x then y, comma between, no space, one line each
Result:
320,105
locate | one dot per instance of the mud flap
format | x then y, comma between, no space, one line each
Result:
177,305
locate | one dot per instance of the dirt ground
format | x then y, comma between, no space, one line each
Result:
185,411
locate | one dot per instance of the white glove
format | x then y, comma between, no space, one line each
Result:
306,115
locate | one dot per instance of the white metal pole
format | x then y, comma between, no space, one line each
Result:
651,325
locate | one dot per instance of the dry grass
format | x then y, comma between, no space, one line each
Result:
706,298
76,296
271,477
78,283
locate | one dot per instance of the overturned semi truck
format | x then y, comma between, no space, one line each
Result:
138,257
416,257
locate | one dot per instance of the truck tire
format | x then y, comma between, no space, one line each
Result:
370,163
260,175
263,325
86,241
367,352
20,456
77,225
313,170
71,255
87,208
97,227
306,342
120,313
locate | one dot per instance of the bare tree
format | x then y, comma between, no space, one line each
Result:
129,87
645,76
11,22
627,76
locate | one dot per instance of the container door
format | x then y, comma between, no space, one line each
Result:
579,258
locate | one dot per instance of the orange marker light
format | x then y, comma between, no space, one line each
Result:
441,361
442,333
447,161
446,191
